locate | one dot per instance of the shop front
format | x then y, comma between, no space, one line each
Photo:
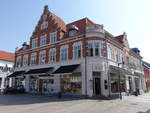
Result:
41,84
70,79
40,80
71,83
114,80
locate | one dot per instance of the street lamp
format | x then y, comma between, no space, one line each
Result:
119,80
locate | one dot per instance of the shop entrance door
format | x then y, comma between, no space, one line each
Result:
96,83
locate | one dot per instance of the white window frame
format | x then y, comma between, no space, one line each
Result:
42,57
34,43
18,61
25,60
43,40
109,52
61,53
44,25
76,47
52,55
53,37
93,46
35,57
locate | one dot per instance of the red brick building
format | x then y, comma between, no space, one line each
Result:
146,67
76,58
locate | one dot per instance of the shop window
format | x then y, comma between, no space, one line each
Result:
0,82
71,84
33,85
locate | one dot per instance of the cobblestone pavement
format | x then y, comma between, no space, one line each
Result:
44,104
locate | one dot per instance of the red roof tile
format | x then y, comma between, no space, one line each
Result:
120,37
59,21
6,56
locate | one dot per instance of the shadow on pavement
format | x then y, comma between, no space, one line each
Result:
145,112
22,99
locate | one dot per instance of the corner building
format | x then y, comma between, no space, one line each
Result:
79,58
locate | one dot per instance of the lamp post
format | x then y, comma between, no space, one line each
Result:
119,80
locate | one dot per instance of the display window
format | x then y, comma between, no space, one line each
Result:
33,85
71,83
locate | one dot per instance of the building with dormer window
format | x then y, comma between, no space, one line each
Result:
79,58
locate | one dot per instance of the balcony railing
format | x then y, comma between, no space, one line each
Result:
94,28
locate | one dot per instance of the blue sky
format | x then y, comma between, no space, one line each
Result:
19,17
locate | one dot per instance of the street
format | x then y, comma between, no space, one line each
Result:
44,104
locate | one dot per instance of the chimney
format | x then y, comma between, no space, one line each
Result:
46,8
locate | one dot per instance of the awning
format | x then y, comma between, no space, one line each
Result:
39,71
17,73
66,69
115,72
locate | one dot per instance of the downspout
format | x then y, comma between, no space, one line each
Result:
107,68
85,66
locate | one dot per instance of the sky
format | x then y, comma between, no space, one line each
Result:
19,17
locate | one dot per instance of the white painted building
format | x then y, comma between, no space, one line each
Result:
6,68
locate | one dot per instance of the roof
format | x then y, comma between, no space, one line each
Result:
7,56
120,38
59,21
146,64
81,24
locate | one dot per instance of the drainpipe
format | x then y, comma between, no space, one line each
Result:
107,68
85,67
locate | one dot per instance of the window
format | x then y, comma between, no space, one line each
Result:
77,47
64,53
34,43
53,37
33,58
44,25
43,40
25,60
72,33
121,57
52,55
116,55
95,48
42,57
109,52
18,61
90,49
